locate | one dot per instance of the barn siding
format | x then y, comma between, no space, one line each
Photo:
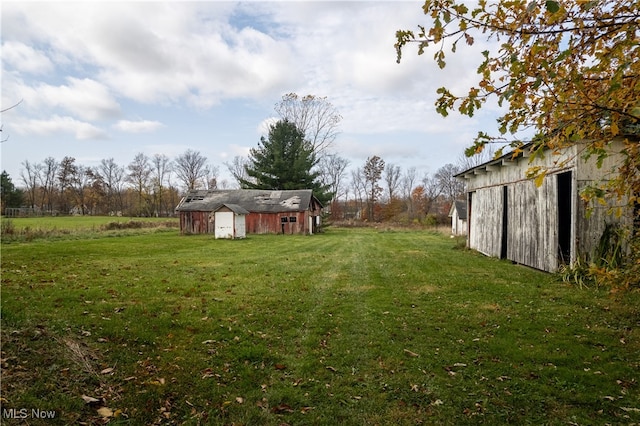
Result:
532,218
533,235
486,215
194,222
270,223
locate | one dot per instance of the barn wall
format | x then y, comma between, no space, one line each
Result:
533,225
486,221
531,229
193,222
592,219
458,224
270,223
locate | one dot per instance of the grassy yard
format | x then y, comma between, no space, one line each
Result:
350,327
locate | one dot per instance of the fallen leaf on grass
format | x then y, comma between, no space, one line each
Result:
282,408
105,412
239,399
408,352
330,368
280,367
90,399
633,409
107,371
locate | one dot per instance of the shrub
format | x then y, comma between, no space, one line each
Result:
7,228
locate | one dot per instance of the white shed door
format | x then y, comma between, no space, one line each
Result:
224,225
240,226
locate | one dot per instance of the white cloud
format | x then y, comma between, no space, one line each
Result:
57,124
198,63
85,99
140,126
25,58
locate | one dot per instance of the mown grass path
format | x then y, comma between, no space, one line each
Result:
352,327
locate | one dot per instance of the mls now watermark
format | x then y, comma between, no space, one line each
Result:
24,413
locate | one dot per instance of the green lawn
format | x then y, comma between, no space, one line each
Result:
352,327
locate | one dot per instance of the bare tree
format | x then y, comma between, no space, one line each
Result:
430,191
191,169
67,172
139,176
237,168
332,169
48,181
212,176
79,181
315,116
30,175
113,178
392,179
407,182
452,187
358,187
372,172
161,169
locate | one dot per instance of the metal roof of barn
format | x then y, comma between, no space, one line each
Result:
461,207
252,200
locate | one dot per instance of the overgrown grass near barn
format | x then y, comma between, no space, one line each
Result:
352,327
47,227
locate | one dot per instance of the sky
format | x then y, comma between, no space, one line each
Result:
100,80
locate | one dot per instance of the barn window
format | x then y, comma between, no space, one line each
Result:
283,220
292,219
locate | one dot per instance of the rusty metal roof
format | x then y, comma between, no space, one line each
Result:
252,200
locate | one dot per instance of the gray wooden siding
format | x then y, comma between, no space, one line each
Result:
532,224
533,233
486,221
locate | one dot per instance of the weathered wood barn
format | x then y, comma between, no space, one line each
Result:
509,216
267,212
458,215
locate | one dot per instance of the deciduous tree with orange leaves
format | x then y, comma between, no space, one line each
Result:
570,70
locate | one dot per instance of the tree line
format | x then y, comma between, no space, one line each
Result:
296,154
153,185
147,186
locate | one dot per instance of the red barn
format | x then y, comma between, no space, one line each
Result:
270,211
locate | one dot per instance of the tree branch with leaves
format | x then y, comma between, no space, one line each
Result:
567,70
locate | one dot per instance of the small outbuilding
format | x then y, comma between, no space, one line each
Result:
229,221
458,215
267,211
542,224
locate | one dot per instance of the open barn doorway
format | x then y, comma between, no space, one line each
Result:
564,182
505,223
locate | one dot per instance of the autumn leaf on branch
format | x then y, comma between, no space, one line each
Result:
566,71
